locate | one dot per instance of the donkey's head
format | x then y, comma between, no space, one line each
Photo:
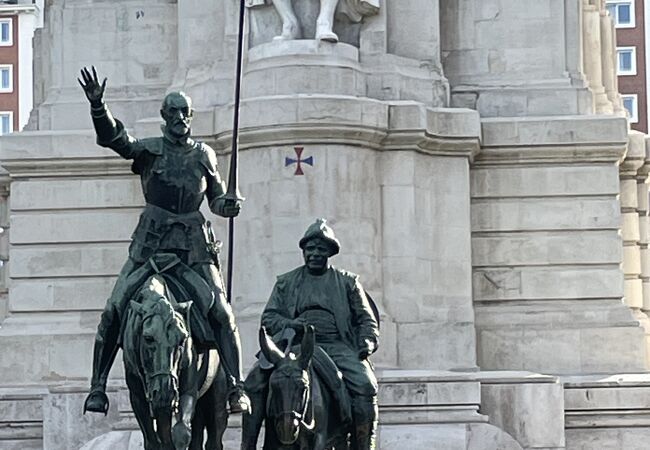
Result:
289,386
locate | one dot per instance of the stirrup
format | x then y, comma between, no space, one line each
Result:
97,395
239,403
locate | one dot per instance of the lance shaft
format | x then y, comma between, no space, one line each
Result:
233,193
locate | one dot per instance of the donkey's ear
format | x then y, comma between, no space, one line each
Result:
136,307
184,307
307,347
270,351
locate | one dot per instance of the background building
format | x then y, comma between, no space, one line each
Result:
632,40
18,21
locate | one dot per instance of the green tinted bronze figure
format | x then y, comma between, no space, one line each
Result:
177,173
177,392
330,308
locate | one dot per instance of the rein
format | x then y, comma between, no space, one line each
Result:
146,378
307,408
308,405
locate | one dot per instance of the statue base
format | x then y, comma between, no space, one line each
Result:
325,68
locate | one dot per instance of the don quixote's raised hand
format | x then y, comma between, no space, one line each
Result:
92,88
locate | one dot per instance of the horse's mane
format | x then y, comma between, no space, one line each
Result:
166,311
159,305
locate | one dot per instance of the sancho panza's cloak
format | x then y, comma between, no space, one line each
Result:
355,10
352,311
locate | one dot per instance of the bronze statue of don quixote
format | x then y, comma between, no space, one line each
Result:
313,387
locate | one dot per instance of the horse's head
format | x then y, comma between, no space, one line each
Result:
162,338
289,386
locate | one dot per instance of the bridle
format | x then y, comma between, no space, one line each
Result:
306,408
147,379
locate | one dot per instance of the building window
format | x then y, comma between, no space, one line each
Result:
622,11
6,33
630,102
626,60
6,78
6,122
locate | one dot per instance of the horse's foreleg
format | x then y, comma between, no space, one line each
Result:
182,434
141,412
164,431
325,21
182,431
214,401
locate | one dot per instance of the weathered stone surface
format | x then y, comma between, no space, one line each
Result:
547,248
495,182
607,412
114,192
544,214
67,261
60,294
562,350
528,407
66,428
79,227
553,282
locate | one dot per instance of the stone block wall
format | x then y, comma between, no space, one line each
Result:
73,219
547,252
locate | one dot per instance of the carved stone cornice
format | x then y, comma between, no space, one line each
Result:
266,122
635,156
383,126
553,140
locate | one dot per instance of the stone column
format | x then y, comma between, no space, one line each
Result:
593,56
630,228
643,211
4,243
608,56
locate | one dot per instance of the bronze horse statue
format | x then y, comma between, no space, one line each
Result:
299,410
176,392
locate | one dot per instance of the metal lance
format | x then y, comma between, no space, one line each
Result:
233,195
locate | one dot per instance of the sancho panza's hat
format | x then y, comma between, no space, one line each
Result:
320,229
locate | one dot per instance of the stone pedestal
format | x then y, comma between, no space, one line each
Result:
547,250
607,412
497,64
325,69
422,408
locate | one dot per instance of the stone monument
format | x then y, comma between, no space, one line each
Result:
482,180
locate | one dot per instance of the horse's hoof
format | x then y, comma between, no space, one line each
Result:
181,436
325,33
290,32
97,401
327,36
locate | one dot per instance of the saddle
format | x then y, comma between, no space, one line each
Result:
183,284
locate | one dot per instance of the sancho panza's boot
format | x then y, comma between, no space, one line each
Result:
103,357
